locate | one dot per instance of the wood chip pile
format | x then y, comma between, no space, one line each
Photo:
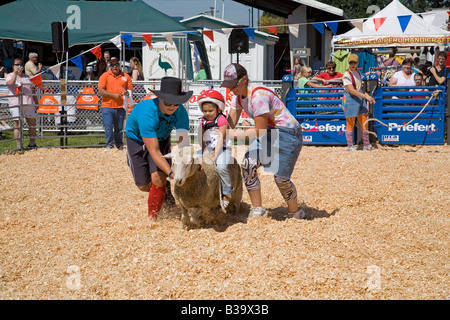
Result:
74,226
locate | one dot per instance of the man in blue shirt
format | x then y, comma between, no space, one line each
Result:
148,131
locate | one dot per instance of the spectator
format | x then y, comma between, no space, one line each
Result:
391,61
103,64
30,67
438,73
275,129
136,69
89,76
420,82
113,85
330,74
201,75
404,77
3,70
304,80
137,74
424,70
317,64
18,81
354,104
297,68
148,139
8,64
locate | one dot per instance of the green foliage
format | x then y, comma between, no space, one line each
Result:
268,19
358,9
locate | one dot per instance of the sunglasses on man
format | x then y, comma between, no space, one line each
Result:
170,105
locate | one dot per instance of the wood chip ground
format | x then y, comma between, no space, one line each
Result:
74,226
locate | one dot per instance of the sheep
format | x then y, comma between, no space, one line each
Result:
197,187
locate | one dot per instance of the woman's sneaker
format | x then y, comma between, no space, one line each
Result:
299,214
368,148
257,212
352,148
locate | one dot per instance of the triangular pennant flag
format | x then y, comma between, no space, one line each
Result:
97,51
227,31
169,37
37,80
272,29
293,29
78,62
428,18
358,24
117,41
250,32
209,34
378,22
148,39
404,21
333,26
319,27
127,39
56,69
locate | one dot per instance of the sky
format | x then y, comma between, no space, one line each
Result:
234,12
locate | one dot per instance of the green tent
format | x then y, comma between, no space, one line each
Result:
88,22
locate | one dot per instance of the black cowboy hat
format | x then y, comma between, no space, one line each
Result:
171,92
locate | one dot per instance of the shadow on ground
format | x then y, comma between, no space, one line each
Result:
223,221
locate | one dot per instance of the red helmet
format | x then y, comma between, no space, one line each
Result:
212,96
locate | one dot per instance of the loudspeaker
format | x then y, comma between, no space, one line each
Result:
60,38
238,41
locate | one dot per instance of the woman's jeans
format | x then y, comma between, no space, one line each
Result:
113,121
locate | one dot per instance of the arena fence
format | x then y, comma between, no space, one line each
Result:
398,117
410,117
320,114
64,120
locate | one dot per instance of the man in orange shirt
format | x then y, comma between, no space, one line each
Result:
113,86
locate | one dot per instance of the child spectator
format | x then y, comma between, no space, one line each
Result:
304,80
420,82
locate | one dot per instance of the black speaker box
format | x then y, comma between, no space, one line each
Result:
238,41
60,38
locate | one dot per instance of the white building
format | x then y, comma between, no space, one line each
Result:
259,61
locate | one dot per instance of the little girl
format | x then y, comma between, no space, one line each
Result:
215,145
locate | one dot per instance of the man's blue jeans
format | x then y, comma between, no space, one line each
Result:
113,120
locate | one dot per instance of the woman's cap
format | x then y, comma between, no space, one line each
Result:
232,74
212,96
353,57
170,91
113,60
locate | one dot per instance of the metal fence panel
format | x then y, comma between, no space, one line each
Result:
71,121
398,108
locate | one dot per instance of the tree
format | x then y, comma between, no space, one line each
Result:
269,19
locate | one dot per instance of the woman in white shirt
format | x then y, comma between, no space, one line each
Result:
404,77
15,80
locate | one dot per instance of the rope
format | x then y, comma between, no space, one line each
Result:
433,96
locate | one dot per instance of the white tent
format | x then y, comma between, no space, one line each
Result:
394,26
